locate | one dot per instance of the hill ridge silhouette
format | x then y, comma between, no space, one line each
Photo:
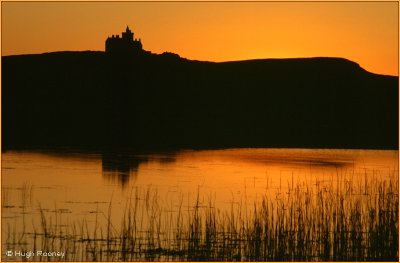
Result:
89,99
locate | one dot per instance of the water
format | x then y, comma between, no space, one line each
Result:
80,187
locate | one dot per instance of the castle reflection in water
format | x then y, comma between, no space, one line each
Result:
122,167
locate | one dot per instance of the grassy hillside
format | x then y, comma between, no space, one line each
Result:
91,100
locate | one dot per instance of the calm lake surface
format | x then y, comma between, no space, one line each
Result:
82,187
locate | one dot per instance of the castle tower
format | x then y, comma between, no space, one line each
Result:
124,45
128,34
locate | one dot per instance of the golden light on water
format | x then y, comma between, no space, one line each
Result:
65,196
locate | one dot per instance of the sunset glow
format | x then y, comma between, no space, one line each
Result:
364,32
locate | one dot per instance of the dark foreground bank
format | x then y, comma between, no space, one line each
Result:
91,100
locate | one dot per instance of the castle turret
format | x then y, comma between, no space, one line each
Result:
128,34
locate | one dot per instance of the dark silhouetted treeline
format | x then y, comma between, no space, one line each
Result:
96,101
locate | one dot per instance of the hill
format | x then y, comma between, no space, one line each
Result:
92,100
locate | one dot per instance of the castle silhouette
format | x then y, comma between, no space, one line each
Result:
126,44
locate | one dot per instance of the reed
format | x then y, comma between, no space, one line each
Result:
341,220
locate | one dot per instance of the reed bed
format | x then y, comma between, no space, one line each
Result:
342,220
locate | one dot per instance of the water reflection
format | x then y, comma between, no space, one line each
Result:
181,188
120,167
279,157
123,167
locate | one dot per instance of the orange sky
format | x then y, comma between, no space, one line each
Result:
364,32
